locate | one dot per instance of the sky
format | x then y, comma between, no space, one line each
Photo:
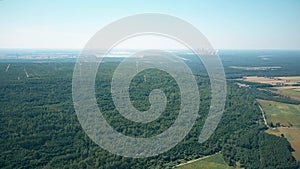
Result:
227,24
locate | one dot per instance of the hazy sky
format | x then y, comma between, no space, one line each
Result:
228,24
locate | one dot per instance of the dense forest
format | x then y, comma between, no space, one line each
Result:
39,127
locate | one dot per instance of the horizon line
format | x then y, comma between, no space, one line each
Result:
282,49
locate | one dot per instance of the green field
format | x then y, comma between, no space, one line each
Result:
293,92
286,115
213,162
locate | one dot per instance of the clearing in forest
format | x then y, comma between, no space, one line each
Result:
212,162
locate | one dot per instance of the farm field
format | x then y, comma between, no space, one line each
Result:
213,162
288,116
290,91
282,81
